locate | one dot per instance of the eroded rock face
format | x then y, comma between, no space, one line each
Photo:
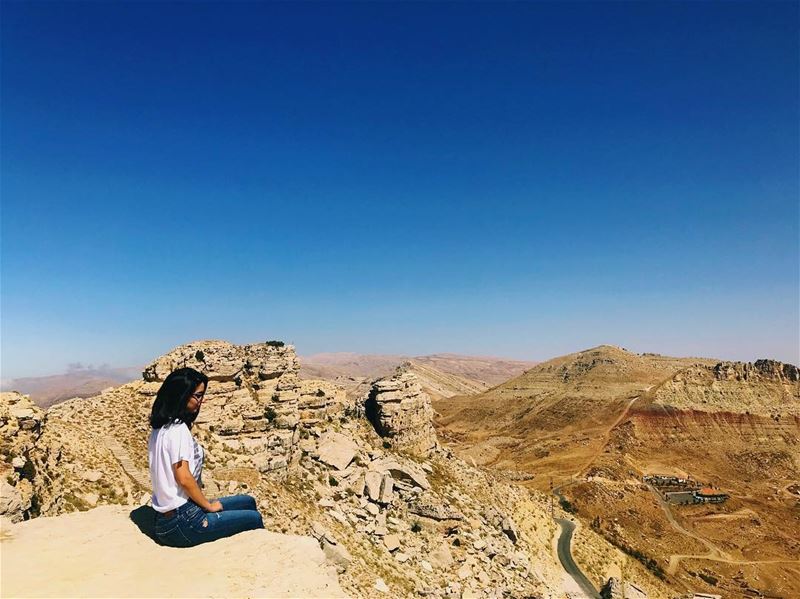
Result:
20,427
255,400
764,388
770,370
223,361
399,409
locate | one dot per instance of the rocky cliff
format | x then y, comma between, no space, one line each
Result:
20,429
401,411
396,515
765,387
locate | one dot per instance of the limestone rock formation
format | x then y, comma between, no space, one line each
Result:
400,410
765,387
20,428
223,361
255,400
770,370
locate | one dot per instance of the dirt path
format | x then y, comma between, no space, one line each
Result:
140,477
715,554
606,436
675,559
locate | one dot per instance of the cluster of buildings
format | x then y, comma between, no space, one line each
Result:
684,491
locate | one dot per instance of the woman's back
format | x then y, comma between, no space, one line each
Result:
169,445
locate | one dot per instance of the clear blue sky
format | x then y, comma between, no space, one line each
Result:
522,179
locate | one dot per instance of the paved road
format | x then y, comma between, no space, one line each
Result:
565,557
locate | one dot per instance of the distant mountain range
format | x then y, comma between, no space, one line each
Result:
46,391
442,375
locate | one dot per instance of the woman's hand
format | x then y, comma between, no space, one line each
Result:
185,479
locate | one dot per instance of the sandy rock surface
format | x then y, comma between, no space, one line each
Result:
102,553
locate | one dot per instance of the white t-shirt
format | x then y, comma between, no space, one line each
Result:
169,445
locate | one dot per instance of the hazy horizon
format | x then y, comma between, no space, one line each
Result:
522,180
104,369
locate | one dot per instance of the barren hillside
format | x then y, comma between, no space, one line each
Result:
441,375
593,423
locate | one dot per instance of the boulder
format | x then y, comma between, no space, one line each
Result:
404,471
392,542
337,450
372,482
441,557
387,490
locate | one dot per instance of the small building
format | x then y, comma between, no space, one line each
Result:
666,480
709,495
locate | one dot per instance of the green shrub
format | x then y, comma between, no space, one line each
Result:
567,505
199,355
275,343
709,579
28,472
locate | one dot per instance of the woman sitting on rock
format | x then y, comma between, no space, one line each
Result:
184,516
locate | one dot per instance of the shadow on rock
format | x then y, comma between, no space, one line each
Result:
145,518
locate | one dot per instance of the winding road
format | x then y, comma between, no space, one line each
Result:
568,527
565,557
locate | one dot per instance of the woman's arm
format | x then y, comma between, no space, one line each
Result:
184,478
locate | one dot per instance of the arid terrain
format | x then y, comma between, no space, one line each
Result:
441,375
592,424
425,480
365,480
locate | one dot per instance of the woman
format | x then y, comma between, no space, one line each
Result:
184,516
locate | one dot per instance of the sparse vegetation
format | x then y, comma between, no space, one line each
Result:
647,561
199,355
567,505
274,343
708,579
28,471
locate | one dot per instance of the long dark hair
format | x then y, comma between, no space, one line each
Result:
172,397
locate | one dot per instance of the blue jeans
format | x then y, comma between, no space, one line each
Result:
191,525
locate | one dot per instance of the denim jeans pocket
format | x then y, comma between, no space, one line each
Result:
196,520
168,532
173,537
